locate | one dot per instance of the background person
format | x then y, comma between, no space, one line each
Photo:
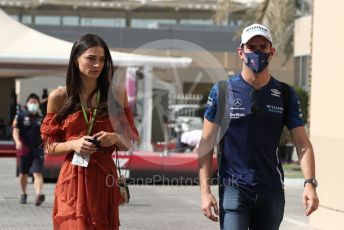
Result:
79,123
251,191
44,102
191,139
27,137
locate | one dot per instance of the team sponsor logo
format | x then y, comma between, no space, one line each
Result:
300,111
275,92
210,101
274,109
26,121
237,102
236,115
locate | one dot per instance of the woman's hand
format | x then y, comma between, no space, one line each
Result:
106,139
84,146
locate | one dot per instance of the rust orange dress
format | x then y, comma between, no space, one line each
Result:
85,198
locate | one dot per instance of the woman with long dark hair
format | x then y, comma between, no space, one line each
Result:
81,125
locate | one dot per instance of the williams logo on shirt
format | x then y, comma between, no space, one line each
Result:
274,109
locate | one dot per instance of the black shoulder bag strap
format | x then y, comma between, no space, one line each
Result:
220,117
221,106
286,100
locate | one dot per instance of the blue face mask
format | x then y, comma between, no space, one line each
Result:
32,107
257,61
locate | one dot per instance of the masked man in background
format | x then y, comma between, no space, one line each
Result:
27,138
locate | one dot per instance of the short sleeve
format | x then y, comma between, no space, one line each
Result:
17,121
52,131
130,130
210,111
294,116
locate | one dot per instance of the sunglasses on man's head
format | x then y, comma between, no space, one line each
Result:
255,95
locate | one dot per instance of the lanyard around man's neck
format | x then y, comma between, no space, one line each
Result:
89,123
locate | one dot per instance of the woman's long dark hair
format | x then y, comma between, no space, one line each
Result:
73,81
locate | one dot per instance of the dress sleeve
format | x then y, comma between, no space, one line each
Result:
130,130
52,131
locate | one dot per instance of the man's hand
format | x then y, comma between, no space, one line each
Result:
310,199
19,145
209,202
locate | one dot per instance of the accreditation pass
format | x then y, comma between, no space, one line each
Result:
80,160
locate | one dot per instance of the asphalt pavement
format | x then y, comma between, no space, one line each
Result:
150,208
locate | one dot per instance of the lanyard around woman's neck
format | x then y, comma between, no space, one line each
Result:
89,123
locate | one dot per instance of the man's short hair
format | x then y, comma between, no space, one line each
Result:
32,96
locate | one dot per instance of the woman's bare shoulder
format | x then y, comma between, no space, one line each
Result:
56,99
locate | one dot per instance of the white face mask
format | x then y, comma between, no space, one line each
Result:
32,107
